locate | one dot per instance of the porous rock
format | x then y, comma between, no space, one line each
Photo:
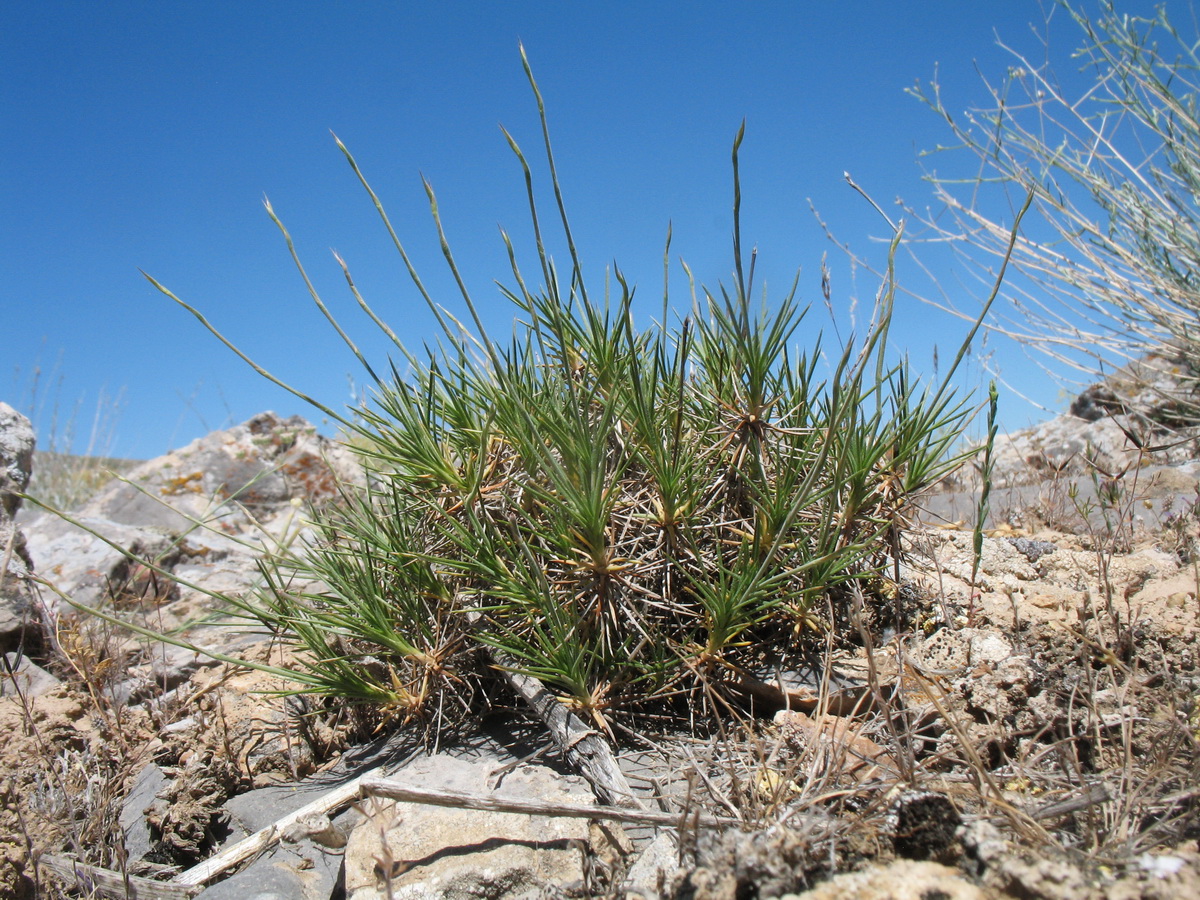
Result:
1005,870
923,824
769,863
16,467
992,683
230,479
1004,867
954,650
901,879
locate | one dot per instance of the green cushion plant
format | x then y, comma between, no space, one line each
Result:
631,515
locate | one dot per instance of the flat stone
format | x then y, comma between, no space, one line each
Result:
306,864
414,851
28,678
297,867
255,810
301,871
145,788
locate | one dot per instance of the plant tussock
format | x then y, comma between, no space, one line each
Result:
636,516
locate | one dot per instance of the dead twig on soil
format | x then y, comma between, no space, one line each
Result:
394,790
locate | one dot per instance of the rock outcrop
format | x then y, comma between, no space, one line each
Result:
232,480
179,528
16,467
1146,413
1127,445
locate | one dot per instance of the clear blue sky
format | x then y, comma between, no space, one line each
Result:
144,135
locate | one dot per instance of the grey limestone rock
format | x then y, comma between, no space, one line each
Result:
306,864
301,866
654,869
301,870
20,675
204,515
248,473
1147,411
16,456
412,851
90,569
16,467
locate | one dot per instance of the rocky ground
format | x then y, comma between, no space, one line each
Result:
1026,728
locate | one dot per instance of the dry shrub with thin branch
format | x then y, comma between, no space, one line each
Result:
1106,269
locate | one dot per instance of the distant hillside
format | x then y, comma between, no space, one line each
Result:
64,480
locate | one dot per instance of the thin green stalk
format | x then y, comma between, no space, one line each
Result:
983,507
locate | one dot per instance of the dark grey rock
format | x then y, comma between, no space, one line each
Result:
145,788
305,867
255,810
1095,403
1032,550
924,824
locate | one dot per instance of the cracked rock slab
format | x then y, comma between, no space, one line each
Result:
410,851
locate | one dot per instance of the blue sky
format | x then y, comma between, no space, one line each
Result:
144,135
